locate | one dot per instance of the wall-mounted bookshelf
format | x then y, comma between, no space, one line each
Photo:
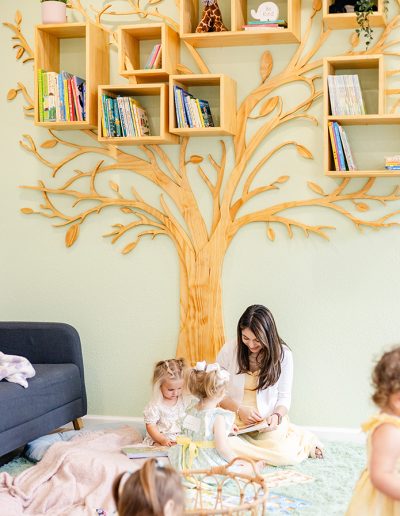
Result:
48,57
235,14
348,20
218,90
154,99
136,44
361,129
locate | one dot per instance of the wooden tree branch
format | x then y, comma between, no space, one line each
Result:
22,47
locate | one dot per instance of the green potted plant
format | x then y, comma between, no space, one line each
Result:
54,11
363,10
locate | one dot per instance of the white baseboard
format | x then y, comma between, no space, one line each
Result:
325,433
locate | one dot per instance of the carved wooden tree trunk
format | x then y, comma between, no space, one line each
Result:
201,326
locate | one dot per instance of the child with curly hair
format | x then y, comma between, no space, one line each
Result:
378,489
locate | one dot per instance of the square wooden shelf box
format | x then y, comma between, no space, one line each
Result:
48,42
136,44
235,14
152,97
349,20
220,92
370,70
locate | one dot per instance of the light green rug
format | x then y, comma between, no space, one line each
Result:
328,495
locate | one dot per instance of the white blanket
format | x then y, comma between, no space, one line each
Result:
15,369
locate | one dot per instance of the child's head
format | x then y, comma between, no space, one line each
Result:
169,378
153,490
208,381
386,381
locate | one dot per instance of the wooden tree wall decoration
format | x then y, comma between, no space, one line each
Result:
201,249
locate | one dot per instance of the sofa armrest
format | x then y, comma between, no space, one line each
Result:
43,343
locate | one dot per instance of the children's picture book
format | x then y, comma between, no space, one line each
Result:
252,428
139,451
285,477
281,504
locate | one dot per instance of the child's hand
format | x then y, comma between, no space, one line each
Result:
166,442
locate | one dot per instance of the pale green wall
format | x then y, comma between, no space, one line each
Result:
336,303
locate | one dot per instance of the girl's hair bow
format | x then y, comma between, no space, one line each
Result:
222,374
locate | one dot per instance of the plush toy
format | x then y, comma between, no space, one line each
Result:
211,20
345,6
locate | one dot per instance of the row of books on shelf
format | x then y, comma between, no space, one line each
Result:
392,162
123,116
345,95
62,97
341,150
265,25
190,111
154,59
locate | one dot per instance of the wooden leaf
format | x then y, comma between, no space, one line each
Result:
266,65
11,94
126,210
27,211
271,234
49,144
361,206
282,179
195,158
269,106
354,39
18,17
19,53
315,188
152,2
71,235
305,153
114,186
128,248
317,5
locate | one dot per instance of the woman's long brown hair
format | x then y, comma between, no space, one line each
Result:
259,320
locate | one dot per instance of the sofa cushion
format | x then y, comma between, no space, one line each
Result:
53,386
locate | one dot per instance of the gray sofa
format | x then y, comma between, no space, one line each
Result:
55,396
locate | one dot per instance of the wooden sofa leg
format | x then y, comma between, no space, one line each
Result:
78,423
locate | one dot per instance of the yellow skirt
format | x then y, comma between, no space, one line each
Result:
285,446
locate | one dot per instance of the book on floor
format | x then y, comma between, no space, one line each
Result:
140,451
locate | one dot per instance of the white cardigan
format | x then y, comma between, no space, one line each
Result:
267,399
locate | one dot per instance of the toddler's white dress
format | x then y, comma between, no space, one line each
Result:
167,418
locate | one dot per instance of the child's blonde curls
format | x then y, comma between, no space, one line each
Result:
207,384
386,377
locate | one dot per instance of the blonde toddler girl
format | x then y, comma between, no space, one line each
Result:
378,489
166,409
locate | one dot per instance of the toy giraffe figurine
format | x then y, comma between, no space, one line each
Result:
211,20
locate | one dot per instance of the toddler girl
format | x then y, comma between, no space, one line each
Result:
153,490
163,414
378,489
206,426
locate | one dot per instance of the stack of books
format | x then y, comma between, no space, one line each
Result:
190,111
392,162
123,116
62,97
265,25
154,59
341,150
345,95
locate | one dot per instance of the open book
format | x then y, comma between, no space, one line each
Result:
252,428
140,451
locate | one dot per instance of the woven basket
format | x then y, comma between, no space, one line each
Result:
231,492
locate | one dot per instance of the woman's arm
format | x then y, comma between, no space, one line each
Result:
221,441
157,436
384,457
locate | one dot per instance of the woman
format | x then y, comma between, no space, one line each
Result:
261,369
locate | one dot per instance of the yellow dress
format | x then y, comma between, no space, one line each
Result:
286,445
367,500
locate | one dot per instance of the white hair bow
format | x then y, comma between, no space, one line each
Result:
208,368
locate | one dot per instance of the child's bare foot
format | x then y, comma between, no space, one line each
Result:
318,453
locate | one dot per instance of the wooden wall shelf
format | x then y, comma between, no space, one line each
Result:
97,67
153,97
219,90
239,14
348,20
132,57
370,70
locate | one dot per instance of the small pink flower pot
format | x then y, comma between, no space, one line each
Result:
54,12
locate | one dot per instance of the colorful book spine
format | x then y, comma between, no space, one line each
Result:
347,149
339,147
121,110
117,118
40,95
333,145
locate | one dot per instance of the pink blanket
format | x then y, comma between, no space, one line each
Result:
74,478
